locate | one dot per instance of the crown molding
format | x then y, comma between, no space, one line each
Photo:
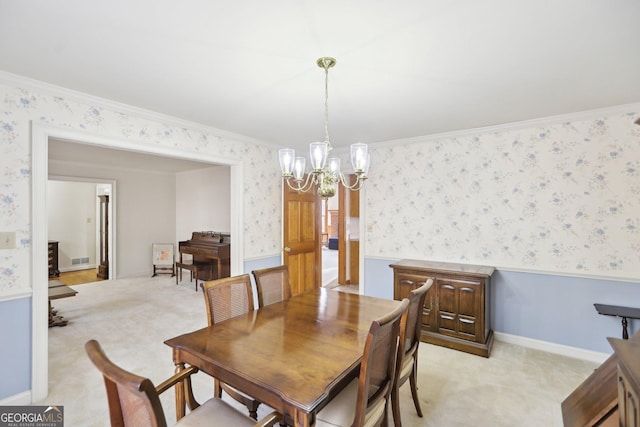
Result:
632,109
165,119
54,90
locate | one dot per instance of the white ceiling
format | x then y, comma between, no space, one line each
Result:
404,68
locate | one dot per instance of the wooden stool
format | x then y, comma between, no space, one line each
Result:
195,268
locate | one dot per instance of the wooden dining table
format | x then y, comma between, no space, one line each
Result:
293,356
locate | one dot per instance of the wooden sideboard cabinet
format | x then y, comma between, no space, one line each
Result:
53,259
456,311
628,381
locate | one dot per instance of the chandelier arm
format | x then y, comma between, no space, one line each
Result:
304,187
357,185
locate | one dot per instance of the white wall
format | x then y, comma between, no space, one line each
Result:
71,208
145,211
203,201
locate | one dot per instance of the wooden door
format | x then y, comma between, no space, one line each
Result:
348,240
302,243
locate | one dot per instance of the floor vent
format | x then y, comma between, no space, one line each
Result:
76,261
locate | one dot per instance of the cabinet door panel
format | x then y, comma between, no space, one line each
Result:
459,305
447,307
405,283
468,299
628,402
447,297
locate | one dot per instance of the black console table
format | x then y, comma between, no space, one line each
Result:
623,312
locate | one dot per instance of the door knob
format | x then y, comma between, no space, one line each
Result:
287,249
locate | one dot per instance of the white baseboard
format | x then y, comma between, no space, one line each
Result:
563,350
79,267
23,398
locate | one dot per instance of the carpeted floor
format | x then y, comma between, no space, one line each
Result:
131,318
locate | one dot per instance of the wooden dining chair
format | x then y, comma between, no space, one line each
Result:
226,298
407,361
365,400
134,401
272,285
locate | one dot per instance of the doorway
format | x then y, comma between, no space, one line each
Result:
41,135
76,221
340,240
330,221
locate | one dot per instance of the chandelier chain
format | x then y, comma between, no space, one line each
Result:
326,105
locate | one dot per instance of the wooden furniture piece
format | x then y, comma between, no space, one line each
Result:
224,299
163,258
53,259
619,311
195,270
628,380
135,401
58,290
407,363
457,308
272,284
208,247
103,267
595,401
273,353
365,401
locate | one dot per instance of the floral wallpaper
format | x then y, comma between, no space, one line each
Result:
20,105
560,198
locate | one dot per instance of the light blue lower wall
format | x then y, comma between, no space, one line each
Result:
15,345
552,308
258,264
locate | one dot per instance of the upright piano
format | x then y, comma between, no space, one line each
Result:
209,247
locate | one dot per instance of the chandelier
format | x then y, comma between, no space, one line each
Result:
325,172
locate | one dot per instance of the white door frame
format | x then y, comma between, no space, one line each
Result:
40,135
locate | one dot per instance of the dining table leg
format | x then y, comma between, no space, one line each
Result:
303,419
180,393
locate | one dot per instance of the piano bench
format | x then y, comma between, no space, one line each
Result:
195,268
